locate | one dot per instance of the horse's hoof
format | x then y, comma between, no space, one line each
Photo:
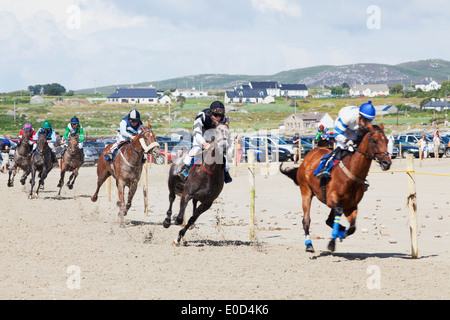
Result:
179,221
175,243
166,223
70,187
310,248
332,245
94,199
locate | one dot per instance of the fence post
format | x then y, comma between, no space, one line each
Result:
146,189
412,205
108,188
251,170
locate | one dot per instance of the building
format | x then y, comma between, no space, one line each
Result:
248,96
293,90
437,105
164,99
190,93
301,121
370,90
428,84
134,96
272,88
383,110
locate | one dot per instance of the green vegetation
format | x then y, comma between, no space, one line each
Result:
103,119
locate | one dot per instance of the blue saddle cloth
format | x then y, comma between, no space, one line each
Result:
323,161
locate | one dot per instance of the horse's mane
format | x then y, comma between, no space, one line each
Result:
363,131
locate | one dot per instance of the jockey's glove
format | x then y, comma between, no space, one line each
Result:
350,144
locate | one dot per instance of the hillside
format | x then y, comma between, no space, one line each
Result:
361,73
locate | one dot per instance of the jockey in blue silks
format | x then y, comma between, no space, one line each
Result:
350,119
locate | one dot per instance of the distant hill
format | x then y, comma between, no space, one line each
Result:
361,73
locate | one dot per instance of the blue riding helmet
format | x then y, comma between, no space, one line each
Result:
74,120
368,111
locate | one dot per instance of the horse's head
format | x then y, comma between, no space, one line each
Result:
147,140
73,142
27,134
222,135
374,146
41,144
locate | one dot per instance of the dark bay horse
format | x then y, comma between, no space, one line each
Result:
41,160
22,158
71,160
203,184
127,167
345,187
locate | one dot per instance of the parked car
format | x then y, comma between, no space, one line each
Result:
90,158
174,148
260,153
96,147
283,153
414,140
407,148
275,140
445,140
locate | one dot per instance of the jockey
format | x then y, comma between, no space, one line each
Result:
72,129
27,126
204,122
51,138
322,133
129,127
346,126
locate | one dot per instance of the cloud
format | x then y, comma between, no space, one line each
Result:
287,7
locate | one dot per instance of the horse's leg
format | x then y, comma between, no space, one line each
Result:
100,180
167,221
185,198
12,171
352,220
337,229
121,202
306,204
61,181
32,182
202,208
72,179
42,177
24,177
131,191
330,223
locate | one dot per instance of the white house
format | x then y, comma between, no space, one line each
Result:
134,96
248,96
293,90
438,105
272,88
428,85
370,90
190,93
382,110
164,99
300,121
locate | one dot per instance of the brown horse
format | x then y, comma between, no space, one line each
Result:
41,160
22,158
72,160
127,167
346,186
204,183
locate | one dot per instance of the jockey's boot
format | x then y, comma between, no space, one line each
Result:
228,178
325,171
184,171
82,155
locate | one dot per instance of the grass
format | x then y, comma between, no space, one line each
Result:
103,119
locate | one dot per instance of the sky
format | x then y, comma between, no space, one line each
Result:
92,43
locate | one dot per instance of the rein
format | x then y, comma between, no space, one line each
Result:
373,154
145,148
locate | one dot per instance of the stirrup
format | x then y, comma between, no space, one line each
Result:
323,174
228,178
184,171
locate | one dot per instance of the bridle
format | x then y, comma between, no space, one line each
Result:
372,155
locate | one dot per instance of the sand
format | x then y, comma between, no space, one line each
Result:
69,248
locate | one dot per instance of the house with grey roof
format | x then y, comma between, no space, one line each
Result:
272,87
134,96
248,96
301,121
438,105
428,84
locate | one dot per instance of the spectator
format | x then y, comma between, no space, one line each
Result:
296,142
436,142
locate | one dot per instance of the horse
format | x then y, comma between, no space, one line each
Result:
203,184
72,160
345,188
127,167
22,158
41,160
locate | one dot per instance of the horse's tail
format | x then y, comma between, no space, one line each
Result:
289,172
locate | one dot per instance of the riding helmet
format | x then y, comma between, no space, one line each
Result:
46,125
74,120
217,108
134,115
368,111
27,126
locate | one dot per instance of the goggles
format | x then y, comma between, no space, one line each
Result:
218,111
